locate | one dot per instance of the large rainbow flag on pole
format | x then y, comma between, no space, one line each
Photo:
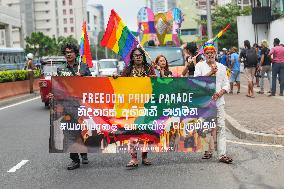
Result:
118,37
85,50
215,38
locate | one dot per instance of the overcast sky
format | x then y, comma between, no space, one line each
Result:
126,9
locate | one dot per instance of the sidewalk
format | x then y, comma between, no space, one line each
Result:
259,119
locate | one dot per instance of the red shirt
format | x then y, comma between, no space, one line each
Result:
278,54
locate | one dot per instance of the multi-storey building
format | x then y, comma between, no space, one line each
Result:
52,17
161,5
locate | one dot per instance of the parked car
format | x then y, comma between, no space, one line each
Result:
108,67
49,67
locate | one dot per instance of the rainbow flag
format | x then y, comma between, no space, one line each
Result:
221,33
118,37
201,50
85,50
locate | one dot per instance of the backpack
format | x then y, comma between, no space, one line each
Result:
251,58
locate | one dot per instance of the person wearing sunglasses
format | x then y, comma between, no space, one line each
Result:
138,67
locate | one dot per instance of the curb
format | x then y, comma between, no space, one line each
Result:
16,99
243,133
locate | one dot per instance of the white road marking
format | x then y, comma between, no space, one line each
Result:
18,166
22,102
255,144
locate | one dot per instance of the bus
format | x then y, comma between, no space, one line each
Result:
12,59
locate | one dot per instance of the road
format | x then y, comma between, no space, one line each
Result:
24,136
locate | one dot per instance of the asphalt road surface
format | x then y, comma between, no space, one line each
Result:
26,163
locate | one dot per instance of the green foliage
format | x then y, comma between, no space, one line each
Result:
37,73
224,15
20,75
6,76
16,75
42,45
63,40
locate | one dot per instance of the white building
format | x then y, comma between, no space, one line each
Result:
95,21
161,5
52,17
10,28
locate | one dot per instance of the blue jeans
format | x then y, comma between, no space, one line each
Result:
277,68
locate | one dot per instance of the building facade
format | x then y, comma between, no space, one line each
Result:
95,21
52,17
161,5
10,27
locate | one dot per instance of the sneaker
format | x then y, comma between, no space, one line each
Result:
73,165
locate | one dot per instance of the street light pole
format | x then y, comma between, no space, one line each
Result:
209,21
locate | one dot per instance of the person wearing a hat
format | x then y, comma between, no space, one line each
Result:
210,67
30,67
277,54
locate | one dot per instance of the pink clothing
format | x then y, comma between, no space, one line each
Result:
278,54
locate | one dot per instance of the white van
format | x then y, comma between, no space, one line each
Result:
107,67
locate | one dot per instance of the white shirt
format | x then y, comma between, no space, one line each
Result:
222,81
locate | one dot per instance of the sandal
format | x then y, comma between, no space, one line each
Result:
132,163
225,159
146,162
207,155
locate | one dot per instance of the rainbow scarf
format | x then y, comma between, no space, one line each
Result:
85,50
118,37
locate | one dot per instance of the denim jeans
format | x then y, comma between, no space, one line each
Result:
277,68
267,70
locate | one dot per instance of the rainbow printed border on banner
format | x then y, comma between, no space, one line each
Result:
179,105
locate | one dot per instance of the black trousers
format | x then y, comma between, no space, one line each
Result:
75,156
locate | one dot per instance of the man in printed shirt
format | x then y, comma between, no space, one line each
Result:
72,68
210,67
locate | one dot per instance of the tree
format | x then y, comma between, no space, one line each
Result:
39,44
224,15
63,40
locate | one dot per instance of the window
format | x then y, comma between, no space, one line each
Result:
65,21
189,31
64,12
70,2
63,2
71,20
95,20
65,30
71,11
88,17
72,29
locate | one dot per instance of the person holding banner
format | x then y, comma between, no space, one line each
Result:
210,67
138,67
73,68
163,66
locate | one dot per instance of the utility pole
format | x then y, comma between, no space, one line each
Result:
209,21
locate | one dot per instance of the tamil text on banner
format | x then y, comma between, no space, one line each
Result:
102,115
